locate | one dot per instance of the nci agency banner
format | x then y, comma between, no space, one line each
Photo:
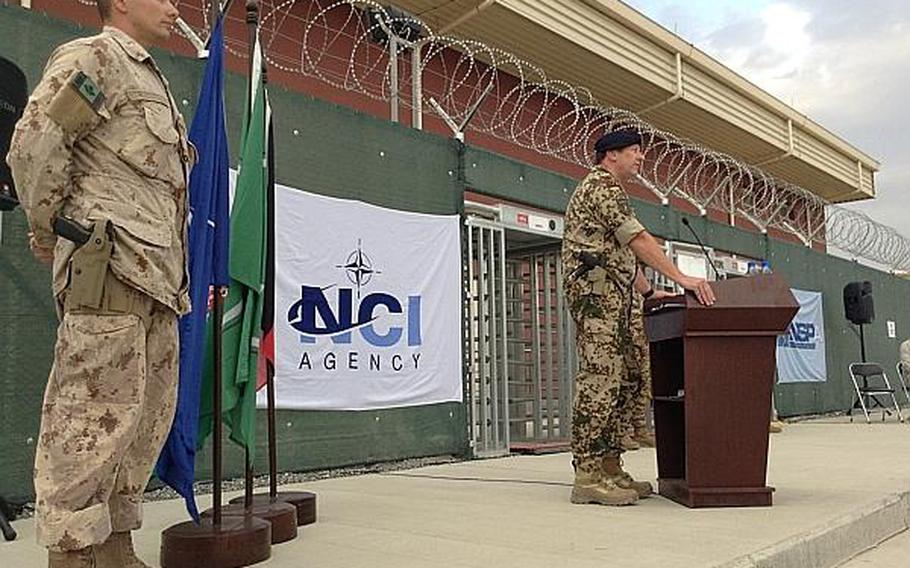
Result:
367,305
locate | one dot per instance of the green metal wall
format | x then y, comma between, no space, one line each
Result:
802,268
321,148
333,150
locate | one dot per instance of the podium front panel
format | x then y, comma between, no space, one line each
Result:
728,409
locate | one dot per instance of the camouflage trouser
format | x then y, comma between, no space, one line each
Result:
637,419
108,407
605,389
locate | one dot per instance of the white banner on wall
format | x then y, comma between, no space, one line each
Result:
367,305
801,351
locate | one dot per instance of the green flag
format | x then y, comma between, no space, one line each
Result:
243,305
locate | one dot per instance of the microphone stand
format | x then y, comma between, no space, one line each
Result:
703,249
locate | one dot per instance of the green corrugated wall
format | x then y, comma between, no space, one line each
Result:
333,150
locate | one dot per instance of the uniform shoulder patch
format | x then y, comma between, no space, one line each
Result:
87,89
78,104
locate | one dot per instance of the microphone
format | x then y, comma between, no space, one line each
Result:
703,249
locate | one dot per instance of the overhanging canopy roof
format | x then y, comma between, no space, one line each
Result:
630,62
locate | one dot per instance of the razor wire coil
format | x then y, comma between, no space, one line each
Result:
530,110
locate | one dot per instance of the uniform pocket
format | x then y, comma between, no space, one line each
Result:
134,220
101,358
146,136
158,120
603,327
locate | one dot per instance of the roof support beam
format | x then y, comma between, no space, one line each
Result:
465,17
679,94
786,154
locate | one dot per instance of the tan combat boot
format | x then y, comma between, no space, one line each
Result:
644,437
117,552
82,558
590,487
613,471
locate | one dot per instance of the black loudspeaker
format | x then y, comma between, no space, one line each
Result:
13,96
858,305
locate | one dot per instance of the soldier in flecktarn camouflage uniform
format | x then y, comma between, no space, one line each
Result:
601,244
101,143
636,433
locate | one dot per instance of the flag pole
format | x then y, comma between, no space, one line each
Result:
273,452
217,339
252,22
217,347
303,502
281,516
270,291
248,481
216,541
215,13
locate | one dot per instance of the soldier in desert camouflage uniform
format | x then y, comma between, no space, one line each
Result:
636,432
102,143
601,242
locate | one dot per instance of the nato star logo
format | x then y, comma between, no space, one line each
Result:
358,267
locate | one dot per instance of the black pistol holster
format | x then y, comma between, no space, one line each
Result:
88,269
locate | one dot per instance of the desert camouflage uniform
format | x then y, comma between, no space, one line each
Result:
599,220
101,140
637,417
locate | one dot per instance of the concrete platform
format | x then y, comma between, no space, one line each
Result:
841,489
889,554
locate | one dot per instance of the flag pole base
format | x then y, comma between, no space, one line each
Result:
282,516
304,501
236,542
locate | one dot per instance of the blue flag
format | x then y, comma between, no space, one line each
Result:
208,266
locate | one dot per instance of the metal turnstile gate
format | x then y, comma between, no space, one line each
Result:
487,370
520,346
541,351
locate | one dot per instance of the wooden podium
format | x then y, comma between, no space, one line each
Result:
712,372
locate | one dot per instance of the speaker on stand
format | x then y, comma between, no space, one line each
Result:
859,308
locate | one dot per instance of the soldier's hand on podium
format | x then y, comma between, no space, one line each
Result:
661,294
700,287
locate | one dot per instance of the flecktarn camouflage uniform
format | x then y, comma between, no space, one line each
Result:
636,422
600,221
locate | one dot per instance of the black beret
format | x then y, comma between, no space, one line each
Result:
617,140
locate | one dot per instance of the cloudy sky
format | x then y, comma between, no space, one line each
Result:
844,63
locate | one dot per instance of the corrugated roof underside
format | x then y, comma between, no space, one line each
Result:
572,42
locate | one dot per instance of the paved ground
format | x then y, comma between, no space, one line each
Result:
892,553
514,512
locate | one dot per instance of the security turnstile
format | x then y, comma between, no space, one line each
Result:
486,366
520,354
540,348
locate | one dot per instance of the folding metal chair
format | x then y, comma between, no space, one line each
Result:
868,394
903,375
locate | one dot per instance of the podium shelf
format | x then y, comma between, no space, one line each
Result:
669,398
